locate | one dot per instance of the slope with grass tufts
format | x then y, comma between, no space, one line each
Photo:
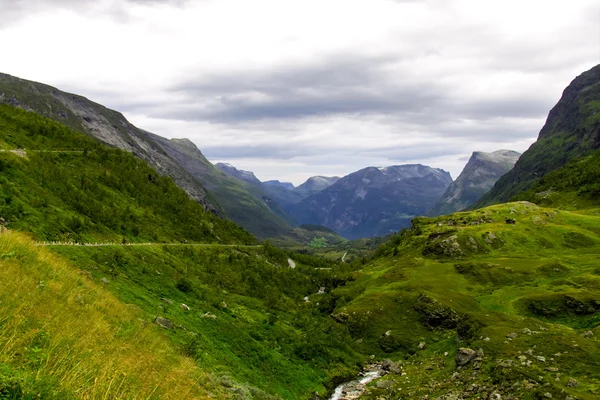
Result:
63,337
517,281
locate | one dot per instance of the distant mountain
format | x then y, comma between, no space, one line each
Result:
572,130
477,178
108,126
238,173
245,202
315,184
283,185
374,201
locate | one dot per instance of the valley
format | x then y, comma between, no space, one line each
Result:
132,267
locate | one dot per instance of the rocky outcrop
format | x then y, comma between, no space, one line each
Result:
479,175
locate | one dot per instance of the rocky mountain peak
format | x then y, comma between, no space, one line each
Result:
479,175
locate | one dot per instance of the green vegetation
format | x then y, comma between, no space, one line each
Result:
248,321
528,289
572,130
98,194
64,337
574,186
255,326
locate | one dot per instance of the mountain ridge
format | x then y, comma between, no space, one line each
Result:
572,130
106,125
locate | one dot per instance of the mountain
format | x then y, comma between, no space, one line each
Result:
240,174
243,200
477,178
108,126
283,185
315,184
572,130
374,201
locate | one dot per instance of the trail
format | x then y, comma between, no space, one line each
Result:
344,256
23,152
247,246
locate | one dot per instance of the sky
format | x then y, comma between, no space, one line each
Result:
292,89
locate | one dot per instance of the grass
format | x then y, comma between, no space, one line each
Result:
473,276
63,337
260,332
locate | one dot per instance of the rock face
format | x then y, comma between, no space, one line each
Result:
108,126
479,175
572,130
374,201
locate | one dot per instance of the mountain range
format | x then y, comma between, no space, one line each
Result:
119,281
374,201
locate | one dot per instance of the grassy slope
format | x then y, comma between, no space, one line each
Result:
265,340
540,274
64,337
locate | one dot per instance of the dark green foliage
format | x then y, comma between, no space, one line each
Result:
95,193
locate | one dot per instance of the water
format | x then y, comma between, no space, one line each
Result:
369,376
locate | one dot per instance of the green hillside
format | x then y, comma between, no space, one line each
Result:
572,187
246,204
64,337
572,130
253,323
525,293
66,186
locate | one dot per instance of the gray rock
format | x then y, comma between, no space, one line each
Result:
166,300
572,382
185,307
163,323
464,356
422,345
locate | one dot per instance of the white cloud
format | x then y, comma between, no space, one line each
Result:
298,88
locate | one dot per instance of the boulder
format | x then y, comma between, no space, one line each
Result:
163,323
464,356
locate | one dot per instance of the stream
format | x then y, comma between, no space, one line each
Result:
353,389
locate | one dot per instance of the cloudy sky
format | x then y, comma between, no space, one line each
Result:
295,88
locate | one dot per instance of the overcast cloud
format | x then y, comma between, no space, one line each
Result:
291,89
